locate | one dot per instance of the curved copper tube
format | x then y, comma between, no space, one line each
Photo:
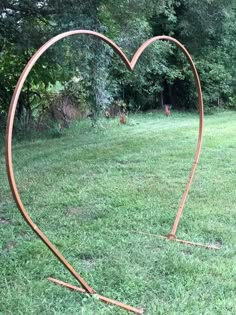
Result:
130,66
201,119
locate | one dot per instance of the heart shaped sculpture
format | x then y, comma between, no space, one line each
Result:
11,115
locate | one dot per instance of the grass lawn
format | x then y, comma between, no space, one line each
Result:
88,189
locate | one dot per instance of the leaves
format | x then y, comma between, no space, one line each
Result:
207,29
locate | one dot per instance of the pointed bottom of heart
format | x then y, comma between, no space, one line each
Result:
99,297
173,238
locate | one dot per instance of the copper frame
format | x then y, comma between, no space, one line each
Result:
10,121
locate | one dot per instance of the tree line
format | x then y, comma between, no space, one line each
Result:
87,70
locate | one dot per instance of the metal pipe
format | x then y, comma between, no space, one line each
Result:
177,240
130,66
100,297
201,121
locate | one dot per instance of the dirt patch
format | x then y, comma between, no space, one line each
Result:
86,256
122,162
187,252
87,259
74,211
85,214
9,246
5,221
217,244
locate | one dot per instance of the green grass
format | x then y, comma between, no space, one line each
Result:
88,189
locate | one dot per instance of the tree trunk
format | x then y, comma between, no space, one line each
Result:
162,99
170,92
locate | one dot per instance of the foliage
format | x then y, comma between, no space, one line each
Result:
207,29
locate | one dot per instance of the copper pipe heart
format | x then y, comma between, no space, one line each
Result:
130,65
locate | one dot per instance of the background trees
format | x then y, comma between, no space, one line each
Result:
207,29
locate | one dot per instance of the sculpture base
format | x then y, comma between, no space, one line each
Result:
100,297
173,238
